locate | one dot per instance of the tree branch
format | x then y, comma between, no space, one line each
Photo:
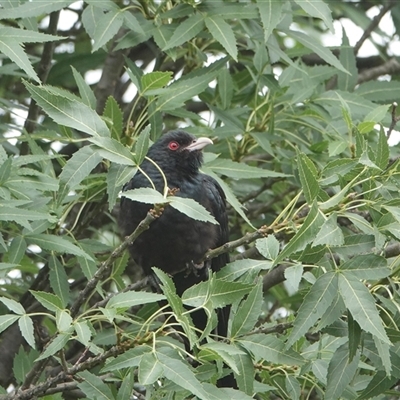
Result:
374,23
390,67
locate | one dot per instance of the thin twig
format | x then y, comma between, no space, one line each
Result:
374,23
106,265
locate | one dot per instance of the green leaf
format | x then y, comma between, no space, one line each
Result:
313,45
56,243
340,372
271,15
113,150
317,9
308,177
48,300
268,247
377,114
347,57
25,324
219,292
384,353
222,33
83,332
131,358
85,91
271,349
142,145
22,216
59,280
77,168
68,110
186,31
17,250
5,170
238,268
145,195
178,372
34,9
131,299
239,170
191,208
292,386
354,336
315,304
245,378
13,305
23,362
361,305
330,234
367,266
304,235
93,387
379,384
55,345
116,176
63,321
106,28
155,80
382,151
380,91
149,369
248,312
113,113
293,277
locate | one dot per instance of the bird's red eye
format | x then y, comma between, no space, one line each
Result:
173,145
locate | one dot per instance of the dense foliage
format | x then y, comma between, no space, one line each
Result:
301,150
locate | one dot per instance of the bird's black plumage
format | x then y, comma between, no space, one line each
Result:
174,242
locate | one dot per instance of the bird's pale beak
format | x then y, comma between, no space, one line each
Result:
199,144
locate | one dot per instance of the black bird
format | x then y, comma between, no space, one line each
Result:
175,242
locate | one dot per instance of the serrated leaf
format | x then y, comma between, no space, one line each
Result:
248,312
315,304
179,373
113,112
306,234
83,332
186,31
68,110
382,152
23,362
313,45
145,195
377,114
239,170
116,176
367,266
347,57
142,145
93,387
48,300
59,280
131,299
340,372
268,247
12,305
330,234
271,14
155,80
55,345
5,170
317,9
15,52
7,320
22,216
361,305
245,378
293,277
191,208
129,359
379,384
85,91
238,268
308,177
34,9
25,324
271,349
149,369
223,33
63,321
56,243
106,27
112,150
226,352
17,250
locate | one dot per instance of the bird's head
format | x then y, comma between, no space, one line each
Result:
179,151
